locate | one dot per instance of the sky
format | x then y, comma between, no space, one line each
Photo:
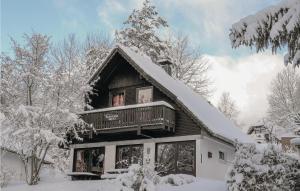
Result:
242,72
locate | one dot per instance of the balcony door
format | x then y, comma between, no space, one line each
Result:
176,158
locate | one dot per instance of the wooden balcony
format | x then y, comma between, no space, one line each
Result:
154,115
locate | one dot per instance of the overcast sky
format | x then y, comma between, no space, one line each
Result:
242,72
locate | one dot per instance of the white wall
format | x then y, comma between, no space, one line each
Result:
149,154
110,157
214,168
14,163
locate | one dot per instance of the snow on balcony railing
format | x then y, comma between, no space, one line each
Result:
157,103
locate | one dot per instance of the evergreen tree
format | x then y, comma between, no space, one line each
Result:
141,30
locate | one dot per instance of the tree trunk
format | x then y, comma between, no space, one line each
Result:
36,175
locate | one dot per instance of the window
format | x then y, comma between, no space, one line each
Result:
118,99
129,154
89,160
221,155
145,94
176,157
209,155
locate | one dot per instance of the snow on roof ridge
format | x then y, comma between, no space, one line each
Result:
210,116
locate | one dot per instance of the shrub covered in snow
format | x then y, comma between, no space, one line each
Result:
177,179
139,178
5,176
266,169
145,178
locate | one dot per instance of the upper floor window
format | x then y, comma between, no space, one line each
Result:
118,99
145,94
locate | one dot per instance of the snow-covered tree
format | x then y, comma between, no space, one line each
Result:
69,75
96,47
284,106
228,107
31,63
31,131
141,30
11,91
48,93
266,169
276,27
188,64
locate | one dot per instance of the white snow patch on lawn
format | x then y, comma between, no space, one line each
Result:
57,182
200,184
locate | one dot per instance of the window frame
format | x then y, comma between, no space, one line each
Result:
143,88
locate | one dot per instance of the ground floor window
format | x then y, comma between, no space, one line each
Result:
176,157
89,160
129,154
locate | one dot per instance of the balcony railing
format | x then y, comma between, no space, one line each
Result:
154,115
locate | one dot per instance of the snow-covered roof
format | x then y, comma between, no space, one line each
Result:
214,121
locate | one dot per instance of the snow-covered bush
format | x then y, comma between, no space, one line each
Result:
145,178
139,178
5,176
266,169
177,179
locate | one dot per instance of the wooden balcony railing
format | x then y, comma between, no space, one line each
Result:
154,115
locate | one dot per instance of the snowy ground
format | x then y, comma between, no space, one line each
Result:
103,185
52,182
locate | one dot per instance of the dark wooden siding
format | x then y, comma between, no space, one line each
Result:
184,124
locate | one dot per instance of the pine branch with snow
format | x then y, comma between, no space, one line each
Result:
276,27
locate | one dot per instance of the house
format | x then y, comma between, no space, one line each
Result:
262,134
143,115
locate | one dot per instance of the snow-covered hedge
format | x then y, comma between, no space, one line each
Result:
144,178
262,169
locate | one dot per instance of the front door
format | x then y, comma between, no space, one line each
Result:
176,157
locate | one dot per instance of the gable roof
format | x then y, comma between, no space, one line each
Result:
200,110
